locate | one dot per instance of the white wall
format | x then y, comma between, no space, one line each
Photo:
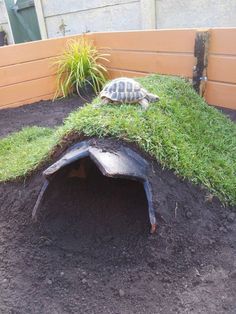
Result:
4,21
93,15
195,13
117,15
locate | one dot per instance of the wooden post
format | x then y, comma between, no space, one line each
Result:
148,14
201,55
41,20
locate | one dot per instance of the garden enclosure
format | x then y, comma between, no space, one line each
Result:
27,73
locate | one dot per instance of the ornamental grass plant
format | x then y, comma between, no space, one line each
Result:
78,67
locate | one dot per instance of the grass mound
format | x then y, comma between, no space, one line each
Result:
181,131
22,152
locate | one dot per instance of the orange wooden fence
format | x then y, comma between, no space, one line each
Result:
221,73
27,73
142,52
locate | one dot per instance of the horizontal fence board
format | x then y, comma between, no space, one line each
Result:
222,68
26,90
113,73
223,41
33,50
157,40
21,72
28,101
221,94
162,63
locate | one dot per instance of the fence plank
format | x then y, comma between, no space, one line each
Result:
221,94
30,89
113,73
163,63
18,73
28,101
222,68
158,40
33,50
223,41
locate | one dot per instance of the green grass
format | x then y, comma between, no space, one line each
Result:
180,131
22,152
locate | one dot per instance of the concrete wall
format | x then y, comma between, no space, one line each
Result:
117,15
195,13
4,21
68,17
73,16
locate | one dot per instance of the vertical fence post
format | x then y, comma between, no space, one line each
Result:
148,14
201,55
41,19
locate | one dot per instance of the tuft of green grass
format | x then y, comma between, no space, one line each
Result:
22,152
181,131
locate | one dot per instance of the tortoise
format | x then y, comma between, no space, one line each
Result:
126,90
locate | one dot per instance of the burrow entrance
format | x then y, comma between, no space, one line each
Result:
92,208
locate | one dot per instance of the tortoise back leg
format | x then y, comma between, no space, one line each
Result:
144,103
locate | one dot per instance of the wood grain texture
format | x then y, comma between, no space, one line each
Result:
30,51
222,68
221,94
114,73
223,41
20,92
22,72
163,63
156,40
28,101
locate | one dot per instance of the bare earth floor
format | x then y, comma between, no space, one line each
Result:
91,252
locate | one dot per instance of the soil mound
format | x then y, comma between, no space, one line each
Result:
91,252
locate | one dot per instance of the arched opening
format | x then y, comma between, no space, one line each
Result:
83,206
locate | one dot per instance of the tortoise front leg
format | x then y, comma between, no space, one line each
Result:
104,101
144,103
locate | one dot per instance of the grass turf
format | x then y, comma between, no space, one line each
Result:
22,152
181,131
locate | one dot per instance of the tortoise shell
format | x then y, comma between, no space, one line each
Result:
124,90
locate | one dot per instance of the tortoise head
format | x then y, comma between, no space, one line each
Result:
152,98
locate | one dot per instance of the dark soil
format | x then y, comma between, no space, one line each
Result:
228,112
42,113
91,251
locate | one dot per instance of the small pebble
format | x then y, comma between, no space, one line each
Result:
69,254
84,281
49,281
188,214
231,217
232,274
62,273
223,229
121,293
84,273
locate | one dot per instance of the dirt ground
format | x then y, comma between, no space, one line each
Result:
42,113
91,251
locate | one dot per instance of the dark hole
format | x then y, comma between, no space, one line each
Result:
93,210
